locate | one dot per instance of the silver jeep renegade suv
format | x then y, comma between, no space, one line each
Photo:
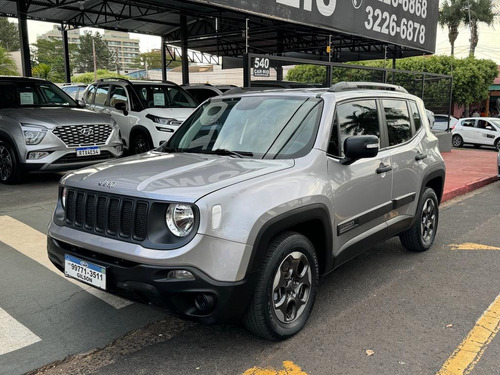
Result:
253,199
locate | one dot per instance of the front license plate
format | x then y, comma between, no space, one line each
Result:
86,151
87,272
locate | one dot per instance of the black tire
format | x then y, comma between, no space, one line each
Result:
497,144
141,142
10,168
422,233
457,141
277,312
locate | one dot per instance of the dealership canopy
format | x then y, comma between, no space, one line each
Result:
346,30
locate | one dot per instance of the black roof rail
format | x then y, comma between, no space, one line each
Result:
346,86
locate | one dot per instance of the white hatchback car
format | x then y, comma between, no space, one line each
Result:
478,131
148,113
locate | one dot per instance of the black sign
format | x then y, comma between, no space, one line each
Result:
410,23
261,67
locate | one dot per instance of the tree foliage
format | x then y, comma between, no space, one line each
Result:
7,64
84,61
101,73
471,77
450,15
152,60
42,71
9,35
50,52
480,11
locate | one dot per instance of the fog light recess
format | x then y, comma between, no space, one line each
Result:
180,275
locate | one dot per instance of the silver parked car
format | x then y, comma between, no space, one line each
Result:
43,129
252,199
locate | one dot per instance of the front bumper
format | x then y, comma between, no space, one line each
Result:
225,301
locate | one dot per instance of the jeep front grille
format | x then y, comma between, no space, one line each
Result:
83,135
107,215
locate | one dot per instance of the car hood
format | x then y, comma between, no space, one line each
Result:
176,113
52,117
177,177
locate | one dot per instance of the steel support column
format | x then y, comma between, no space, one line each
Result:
163,59
67,68
279,68
22,8
184,47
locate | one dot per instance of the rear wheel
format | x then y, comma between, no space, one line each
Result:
457,141
497,144
421,235
10,169
141,143
286,288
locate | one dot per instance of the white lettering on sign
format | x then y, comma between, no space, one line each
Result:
325,7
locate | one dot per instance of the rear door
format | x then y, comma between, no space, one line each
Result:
468,130
361,191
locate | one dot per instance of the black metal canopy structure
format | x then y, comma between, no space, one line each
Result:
295,28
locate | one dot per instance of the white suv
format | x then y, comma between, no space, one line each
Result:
148,113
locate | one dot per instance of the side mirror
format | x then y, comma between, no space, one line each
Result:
81,103
122,106
360,147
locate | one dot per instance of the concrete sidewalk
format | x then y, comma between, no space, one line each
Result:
468,169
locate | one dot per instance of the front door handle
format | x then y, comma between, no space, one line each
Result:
420,156
383,168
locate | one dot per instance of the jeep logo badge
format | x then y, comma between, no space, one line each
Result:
108,184
86,131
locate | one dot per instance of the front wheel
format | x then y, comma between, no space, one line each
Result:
422,233
457,141
286,288
141,143
10,170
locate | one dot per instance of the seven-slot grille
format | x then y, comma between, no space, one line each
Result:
83,135
107,215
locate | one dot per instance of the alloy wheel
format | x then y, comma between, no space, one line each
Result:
428,221
291,287
5,163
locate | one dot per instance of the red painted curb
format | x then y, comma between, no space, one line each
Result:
468,188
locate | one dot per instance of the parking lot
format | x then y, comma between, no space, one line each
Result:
387,311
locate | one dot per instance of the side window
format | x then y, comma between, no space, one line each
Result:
416,116
357,118
398,121
118,95
101,95
89,96
180,99
469,123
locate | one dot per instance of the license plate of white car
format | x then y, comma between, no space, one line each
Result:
87,272
87,151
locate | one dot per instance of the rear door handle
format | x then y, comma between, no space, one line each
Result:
420,156
383,168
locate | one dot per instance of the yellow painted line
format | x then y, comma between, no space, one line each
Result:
470,351
33,244
473,246
289,368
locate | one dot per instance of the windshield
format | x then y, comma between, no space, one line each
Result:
163,96
33,94
250,126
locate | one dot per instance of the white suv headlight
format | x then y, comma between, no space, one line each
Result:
33,134
180,219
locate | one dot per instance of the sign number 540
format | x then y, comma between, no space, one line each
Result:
262,63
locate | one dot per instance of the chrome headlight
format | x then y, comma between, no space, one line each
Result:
33,134
180,219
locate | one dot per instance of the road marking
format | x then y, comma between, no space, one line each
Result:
13,335
473,246
289,368
33,244
470,351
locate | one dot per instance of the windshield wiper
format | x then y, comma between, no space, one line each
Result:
223,151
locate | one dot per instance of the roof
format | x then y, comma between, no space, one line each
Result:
217,27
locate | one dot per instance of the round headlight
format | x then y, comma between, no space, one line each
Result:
180,219
64,195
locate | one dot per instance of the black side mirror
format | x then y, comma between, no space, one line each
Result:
360,147
122,106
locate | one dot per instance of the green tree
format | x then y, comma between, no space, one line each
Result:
42,71
307,73
101,73
451,16
480,11
152,60
9,35
7,64
84,61
50,52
